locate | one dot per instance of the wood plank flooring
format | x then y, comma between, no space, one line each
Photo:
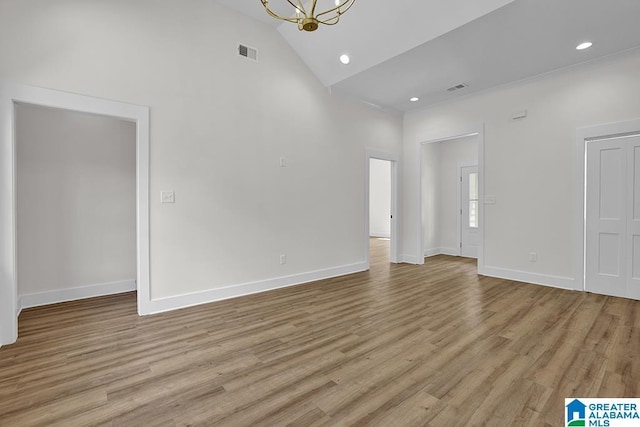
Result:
400,345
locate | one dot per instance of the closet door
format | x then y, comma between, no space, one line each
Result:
633,217
613,217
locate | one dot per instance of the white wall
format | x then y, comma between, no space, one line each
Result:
529,163
219,124
431,188
76,224
440,179
380,198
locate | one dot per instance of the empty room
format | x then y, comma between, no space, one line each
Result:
319,213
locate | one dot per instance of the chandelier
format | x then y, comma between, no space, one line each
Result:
308,17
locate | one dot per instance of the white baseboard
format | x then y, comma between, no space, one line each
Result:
431,252
410,259
377,234
449,251
527,277
188,300
62,295
441,251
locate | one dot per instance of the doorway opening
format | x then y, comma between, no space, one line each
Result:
381,191
13,95
75,205
451,195
380,215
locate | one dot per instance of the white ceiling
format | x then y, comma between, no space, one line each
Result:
406,48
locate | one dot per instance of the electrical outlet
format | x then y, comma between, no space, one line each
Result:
283,162
167,197
533,257
283,259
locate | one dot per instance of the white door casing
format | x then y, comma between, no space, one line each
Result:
469,211
16,93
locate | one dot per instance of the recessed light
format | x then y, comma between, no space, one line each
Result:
344,58
414,99
583,46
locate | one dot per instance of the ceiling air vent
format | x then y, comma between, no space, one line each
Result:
457,87
248,52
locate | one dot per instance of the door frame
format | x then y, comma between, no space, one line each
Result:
10,94
462,165
394,159
442,136
585,135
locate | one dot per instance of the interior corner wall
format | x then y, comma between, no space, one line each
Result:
76,201
219,125
529,164
379,198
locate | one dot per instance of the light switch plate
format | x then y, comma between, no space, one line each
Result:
167,197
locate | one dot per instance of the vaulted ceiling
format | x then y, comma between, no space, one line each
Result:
401,49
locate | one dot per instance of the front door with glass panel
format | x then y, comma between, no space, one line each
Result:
469,212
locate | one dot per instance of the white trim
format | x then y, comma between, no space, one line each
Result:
10,94
432,252
527,277
584,135
380,234
449,251
71,294
394,159
447,135
411,259
441,251
197,298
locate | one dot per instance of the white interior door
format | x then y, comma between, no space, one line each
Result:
613,217
633,219
469,207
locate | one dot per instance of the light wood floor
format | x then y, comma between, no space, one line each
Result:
400,345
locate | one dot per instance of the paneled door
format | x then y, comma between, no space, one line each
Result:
613,217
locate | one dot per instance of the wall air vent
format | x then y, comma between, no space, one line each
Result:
248,52
457,87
